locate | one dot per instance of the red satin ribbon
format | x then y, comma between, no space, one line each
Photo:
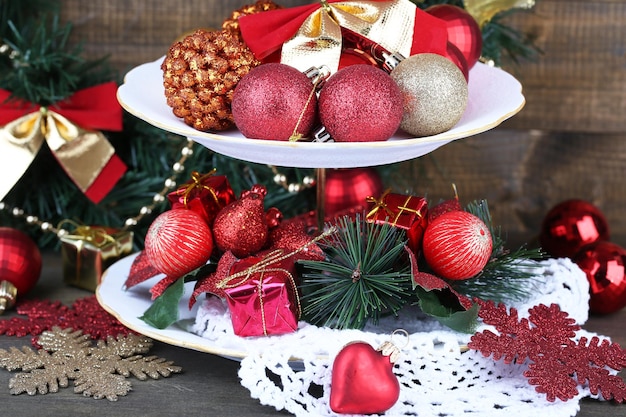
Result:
94,108
265,32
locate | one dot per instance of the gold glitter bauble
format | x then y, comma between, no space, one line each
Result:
434,91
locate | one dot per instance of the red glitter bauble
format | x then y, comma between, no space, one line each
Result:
570,225
178,241
603,263
463,30
241,227
20,259
360,103
274,101
363,381
349,188
457,245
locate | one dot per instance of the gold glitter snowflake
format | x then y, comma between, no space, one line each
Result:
98,371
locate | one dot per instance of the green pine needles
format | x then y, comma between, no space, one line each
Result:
361,279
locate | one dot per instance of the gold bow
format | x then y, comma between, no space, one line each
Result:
484,10
319,39
197,183
379,204
96,236
82,153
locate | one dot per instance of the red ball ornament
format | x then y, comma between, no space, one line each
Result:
241,227
349,188
457,245
360,103
603,263
20,265
570,225
463,30
362,381
455,55
178,241
275,102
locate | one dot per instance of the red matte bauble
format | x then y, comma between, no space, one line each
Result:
457,245
603,263
362,381
463,30
274,101
349,188
360,103
178,241
20,259
570,225
241,227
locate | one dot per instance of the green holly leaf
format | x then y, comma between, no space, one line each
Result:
164,309
453,316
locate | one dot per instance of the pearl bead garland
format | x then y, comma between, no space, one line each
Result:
158,198
281,180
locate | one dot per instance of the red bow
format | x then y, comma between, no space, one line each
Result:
266,32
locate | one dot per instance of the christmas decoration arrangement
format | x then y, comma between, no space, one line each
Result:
267,283
314,304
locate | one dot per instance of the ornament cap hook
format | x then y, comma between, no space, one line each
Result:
388,348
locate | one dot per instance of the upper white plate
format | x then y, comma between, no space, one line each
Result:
494,96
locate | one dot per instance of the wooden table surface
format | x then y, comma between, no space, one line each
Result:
208,385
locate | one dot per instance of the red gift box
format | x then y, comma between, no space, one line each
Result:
205,194
265,300
403,211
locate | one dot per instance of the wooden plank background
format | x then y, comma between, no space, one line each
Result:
568,141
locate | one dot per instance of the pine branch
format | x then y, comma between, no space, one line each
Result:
360,280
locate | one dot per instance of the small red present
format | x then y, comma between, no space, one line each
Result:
206,194
404,211
262,296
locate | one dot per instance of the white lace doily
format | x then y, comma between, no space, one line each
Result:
436,378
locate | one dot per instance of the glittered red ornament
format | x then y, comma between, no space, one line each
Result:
241,227
360,103
363,381
349,188
457,245
178,241
20,265
570,225
603,263
463,30
275,102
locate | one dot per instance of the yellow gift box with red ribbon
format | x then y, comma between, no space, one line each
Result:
87,251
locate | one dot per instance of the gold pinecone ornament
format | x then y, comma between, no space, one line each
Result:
200,73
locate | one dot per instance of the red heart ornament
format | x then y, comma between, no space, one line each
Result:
363,381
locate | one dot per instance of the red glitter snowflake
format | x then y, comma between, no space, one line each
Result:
41,315
557,363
